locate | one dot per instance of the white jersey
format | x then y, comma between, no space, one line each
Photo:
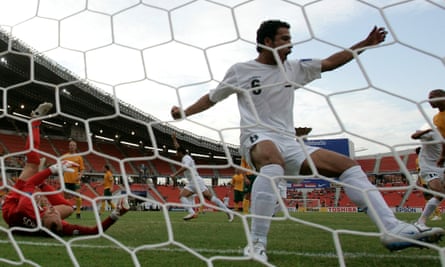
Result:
190,171
430,153
269,89
193,186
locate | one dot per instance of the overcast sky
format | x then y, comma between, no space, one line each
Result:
155,54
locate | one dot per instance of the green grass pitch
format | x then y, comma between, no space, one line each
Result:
210,240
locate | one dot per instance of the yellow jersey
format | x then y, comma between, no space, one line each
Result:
73,177
439,122
108,180
238,182
245,165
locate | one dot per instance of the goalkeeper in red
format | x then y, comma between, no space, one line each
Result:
20,209
265,90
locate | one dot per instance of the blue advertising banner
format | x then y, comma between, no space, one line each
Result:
340,145
309,183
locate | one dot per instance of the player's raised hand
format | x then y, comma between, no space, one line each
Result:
376,36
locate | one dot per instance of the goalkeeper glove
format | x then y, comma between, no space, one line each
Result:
66,166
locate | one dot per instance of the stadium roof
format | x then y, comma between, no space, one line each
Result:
28,78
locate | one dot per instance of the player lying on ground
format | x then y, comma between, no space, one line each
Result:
19,209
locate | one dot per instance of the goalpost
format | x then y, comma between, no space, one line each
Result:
160,53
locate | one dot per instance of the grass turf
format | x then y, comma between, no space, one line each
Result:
164,239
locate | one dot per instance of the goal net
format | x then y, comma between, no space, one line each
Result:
144,56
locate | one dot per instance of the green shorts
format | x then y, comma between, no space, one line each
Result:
238,196
248,188
107,192
72,186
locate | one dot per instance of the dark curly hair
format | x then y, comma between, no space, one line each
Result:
268,29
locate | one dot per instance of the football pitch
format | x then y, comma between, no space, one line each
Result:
143,238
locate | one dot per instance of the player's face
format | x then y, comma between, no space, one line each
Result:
51,219
283,40
72,147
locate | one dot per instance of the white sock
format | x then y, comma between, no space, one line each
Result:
186,201
355,176
218,202
263,201
430,206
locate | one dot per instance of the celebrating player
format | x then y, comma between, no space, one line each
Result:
265,92
429,171
195,183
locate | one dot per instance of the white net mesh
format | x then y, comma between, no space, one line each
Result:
155,54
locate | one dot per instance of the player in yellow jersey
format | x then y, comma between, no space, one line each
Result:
238,189
437,100
72,179
108,186
248,183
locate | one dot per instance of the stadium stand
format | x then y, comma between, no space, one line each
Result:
368,165
13,142
85,101
411,162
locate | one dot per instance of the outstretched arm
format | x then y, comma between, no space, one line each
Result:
375,37
178,172
419,133
200,105
175,141
74,229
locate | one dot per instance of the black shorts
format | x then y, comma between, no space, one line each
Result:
238,196
248,188
107,192
72,186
